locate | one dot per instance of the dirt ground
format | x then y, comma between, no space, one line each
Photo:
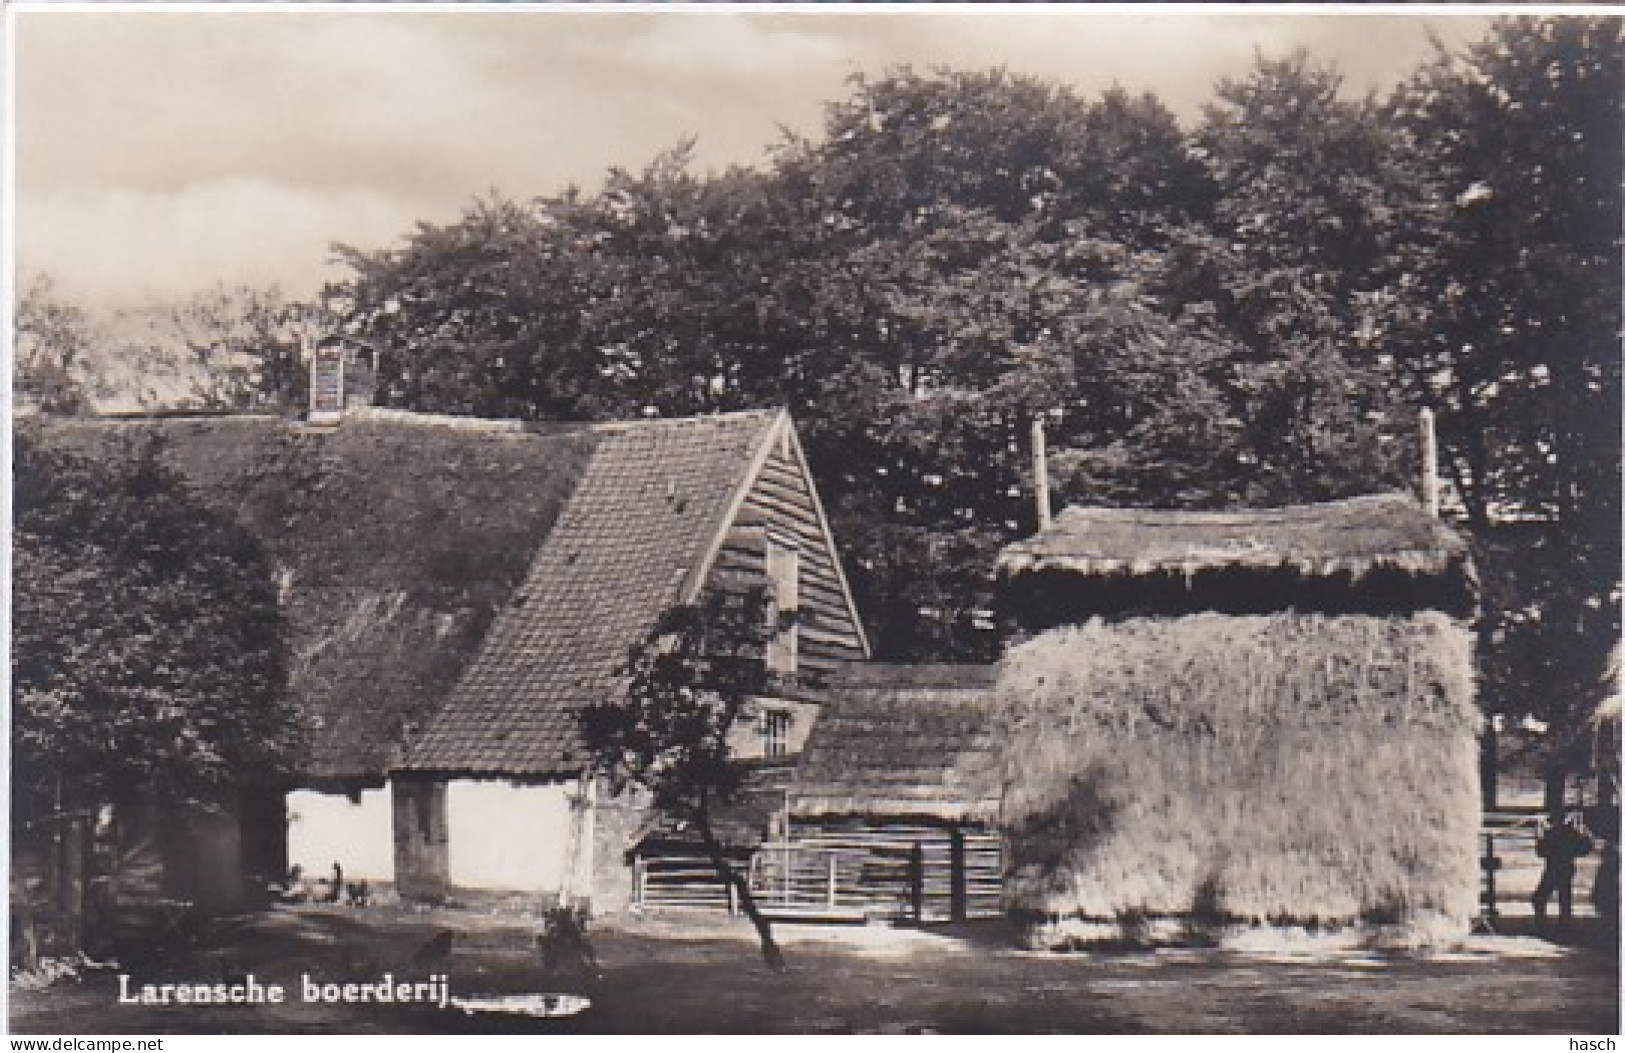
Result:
703,975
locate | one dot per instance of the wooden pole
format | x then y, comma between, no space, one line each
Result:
1430,464
1040,474
916,880
1491,863
956,872
586,848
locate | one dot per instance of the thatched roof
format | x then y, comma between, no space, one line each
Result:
902,742
394,539
460,584
1352,536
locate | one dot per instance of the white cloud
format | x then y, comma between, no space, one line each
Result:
122,247
159,152
712,45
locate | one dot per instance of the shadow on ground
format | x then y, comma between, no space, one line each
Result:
702,974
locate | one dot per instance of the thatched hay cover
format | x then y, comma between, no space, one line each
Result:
1352,536
898,741
1286,767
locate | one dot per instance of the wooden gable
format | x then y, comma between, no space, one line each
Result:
779,511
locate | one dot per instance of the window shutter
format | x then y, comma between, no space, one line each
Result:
784,578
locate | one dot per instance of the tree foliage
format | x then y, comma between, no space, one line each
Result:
1247,311
146,651
236,348
1510,322
230,348
53,362
690,682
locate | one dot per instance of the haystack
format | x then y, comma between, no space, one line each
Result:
1304,754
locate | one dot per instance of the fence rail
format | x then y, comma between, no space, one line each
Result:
925,874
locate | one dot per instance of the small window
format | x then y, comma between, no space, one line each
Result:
783,576
775,733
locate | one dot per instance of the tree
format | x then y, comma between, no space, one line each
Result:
147,656
1508,290
1290,265
483,316
54,356
235,348
240,348
1204,320
689,683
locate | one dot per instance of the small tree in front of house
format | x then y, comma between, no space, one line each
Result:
689,682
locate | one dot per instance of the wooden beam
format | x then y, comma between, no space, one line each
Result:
1430,464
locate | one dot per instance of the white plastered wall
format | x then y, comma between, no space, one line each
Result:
328,828
507,837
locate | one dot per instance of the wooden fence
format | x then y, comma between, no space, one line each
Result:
842,873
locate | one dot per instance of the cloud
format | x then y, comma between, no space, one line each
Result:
728,45
160,150
124,246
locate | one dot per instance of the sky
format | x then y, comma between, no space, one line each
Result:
160,153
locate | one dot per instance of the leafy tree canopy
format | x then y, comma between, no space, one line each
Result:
1248,311
1508,321
146,647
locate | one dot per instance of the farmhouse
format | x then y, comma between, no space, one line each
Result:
455,590
1255,716
664,510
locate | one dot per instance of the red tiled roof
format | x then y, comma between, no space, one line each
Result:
633,537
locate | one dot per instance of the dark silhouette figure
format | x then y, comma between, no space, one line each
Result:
337,890
1560,845
563,943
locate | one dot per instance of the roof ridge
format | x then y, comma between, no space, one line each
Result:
1244,512
447,420
457,421
155,416
693,420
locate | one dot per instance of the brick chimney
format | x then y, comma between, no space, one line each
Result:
343,376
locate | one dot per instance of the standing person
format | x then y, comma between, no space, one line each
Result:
337,890
1560,845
